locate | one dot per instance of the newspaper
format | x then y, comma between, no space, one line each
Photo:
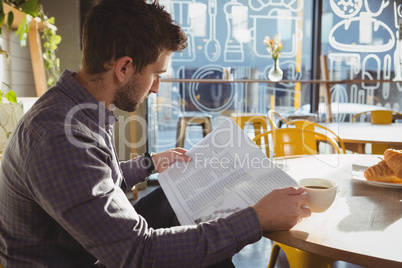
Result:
228,172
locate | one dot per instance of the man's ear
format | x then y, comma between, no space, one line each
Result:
124,69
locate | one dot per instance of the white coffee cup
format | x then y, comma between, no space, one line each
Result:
322,193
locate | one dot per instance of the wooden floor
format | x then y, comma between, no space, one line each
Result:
255,255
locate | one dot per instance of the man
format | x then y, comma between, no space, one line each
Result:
62,200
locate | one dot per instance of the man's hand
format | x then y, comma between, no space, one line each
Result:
282,209
164,159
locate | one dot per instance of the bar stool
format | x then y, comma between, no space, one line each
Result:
258,120
203,120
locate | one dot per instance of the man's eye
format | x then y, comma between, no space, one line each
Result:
157,77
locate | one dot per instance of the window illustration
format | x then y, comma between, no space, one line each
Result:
361,38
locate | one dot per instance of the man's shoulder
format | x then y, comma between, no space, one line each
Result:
53,112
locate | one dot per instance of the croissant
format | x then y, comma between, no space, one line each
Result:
382,173
393,158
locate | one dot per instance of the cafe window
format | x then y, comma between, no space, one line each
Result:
361,39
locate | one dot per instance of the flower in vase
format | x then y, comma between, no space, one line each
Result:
274,46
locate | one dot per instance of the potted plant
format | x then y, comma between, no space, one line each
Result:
50,39
18,15
10,113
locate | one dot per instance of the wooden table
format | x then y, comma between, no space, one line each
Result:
359,134
364,224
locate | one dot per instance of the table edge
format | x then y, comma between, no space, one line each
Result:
284,237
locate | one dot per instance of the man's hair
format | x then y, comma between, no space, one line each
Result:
114,29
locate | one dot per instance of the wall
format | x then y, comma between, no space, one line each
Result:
67,16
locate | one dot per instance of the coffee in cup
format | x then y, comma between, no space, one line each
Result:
322,193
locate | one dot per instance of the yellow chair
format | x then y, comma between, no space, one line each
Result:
273,116
299,258
306,124
297,141
259,121
378,117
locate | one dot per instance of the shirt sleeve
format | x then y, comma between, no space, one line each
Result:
134,171
75,186
207,243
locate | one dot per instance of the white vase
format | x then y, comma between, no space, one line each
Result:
275,74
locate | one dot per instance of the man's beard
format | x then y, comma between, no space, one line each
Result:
126,97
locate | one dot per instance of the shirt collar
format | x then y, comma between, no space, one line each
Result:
89,104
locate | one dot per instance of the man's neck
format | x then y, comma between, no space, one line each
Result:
98,86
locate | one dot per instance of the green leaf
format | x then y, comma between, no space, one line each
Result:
21,26
2,17
51,20
11,96
51,82
7,85
47,65
23,40
30,7
10,19
23,29
57,39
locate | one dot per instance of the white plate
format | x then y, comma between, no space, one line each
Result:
357,174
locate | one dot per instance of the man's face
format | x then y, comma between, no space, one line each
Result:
130,95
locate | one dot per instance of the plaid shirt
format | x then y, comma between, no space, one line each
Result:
62,200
